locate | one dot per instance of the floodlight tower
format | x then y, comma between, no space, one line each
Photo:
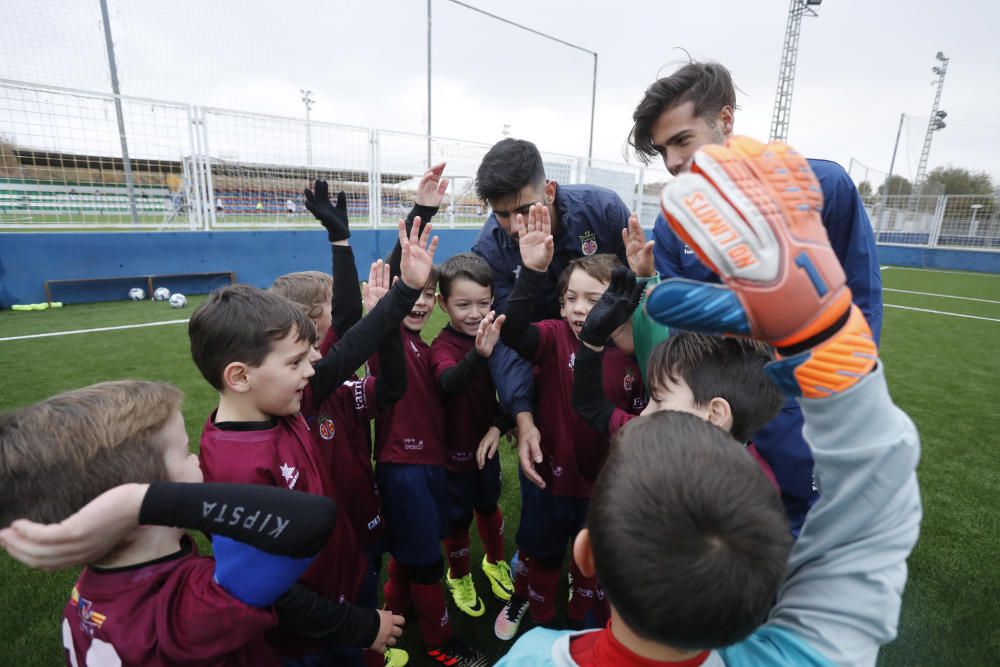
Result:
935,123
786,75
308,100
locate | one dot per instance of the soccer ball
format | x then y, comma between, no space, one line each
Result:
161,294
178,300
137,294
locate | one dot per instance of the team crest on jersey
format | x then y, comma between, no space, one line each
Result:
326,428
572,361
290,474
90,620
588,244
517,271
629,381
414,348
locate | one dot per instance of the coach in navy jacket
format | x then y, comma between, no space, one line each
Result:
586,219
691,108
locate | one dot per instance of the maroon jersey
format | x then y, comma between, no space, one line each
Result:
412,430
471,413
286,456
340,429
167,612
574,452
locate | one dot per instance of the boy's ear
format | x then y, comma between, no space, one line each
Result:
583,554
550,192
720,413
235,377
440,300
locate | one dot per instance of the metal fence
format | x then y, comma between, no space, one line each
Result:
191,167
62,166
950,221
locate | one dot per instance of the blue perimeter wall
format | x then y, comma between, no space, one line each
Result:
258,257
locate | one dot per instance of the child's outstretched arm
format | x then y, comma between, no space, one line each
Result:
297,524
363,339
345,305
751,212
430,194
612,311
390,376
535,241
453,379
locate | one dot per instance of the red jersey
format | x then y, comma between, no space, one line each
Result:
574,452
412,430
471,413
166,612
340,429
286,456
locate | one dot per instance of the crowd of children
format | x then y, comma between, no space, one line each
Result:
679,549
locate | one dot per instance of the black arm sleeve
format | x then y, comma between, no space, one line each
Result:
278,521
392,379
425,213
345,307
504,422
517,332
457,379
312,615
362,340
589,400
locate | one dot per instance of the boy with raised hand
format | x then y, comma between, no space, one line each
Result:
677,498
459,358
719,379
411,463
256,348
557,479
146,597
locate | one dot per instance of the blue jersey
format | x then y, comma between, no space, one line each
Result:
591,220
780,441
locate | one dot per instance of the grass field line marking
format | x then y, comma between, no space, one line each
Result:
956,273
941,312
83,331
943,296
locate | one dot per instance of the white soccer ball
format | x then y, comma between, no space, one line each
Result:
161,294
178,300
137,294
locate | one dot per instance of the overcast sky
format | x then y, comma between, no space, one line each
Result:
861,63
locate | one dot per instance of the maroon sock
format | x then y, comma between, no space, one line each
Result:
521,576
490,528
435,625
542,585
456,546
581,597
397,587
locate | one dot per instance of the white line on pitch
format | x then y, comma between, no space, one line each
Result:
956,273
943,296
83,331
941,312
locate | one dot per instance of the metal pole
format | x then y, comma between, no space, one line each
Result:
593,95
127,164
593,103
308,101
888,179
428,84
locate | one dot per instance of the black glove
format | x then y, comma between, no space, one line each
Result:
613,310
334,218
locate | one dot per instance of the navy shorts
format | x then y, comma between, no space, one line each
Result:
548,522
473,489
414,506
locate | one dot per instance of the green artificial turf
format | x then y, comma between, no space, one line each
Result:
942,370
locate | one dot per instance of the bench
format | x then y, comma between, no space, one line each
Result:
150,279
